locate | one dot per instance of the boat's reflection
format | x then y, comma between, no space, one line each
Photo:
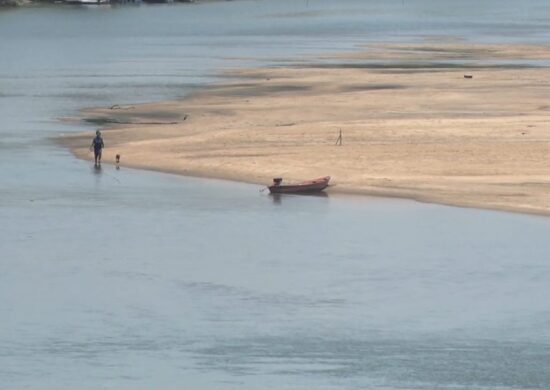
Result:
278,198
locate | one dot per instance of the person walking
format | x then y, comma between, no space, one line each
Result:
97,145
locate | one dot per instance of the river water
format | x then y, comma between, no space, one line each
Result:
125,279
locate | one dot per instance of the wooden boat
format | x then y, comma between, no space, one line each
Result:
309,186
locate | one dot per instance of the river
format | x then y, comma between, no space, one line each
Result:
127,279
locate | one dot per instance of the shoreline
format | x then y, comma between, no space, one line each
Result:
411,130
15,4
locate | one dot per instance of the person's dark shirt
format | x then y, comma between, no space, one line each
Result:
98,143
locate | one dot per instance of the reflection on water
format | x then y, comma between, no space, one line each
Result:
278,198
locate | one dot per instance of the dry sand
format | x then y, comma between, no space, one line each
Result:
412,126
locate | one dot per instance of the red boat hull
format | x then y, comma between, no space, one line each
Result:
306,187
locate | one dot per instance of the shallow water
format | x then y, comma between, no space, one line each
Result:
133,280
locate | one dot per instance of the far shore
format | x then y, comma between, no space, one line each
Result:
450,123
61,3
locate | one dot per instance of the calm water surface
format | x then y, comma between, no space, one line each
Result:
135,280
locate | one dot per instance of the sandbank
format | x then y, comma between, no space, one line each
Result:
413,126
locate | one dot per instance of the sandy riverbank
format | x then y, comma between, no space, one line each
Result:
412,126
